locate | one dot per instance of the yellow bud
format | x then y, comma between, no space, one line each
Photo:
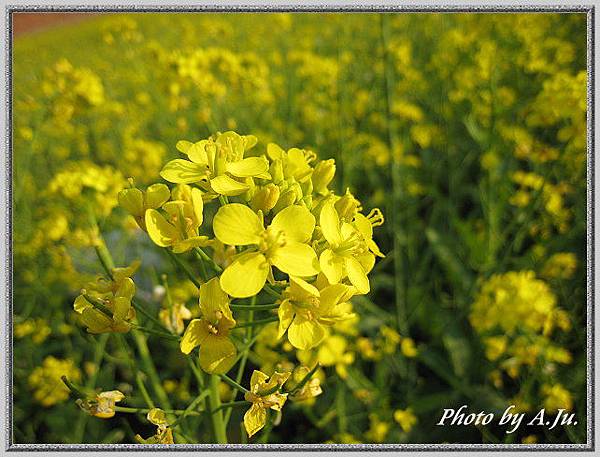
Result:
286,199
347,206
265,198
322,175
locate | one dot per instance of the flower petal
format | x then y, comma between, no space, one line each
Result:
198,206
286,315
160,231
157,195
330,224
195,335
296,222
305,334
357,275
190,243
213,299
225,185
332,265
237,225
254,419
217,354
183,171
132,200
197,153
296,259
252,166
246,275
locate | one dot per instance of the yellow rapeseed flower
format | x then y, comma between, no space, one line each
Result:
306,310
284,244
103,405
211,332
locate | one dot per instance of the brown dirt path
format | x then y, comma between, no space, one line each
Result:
23,23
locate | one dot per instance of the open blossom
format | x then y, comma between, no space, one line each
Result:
305,311
177,226
350,251
217,164
211,332
283,244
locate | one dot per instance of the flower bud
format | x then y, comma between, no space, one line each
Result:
322,175
276,171
286,199
347,206
265,198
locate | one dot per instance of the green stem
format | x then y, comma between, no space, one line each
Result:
150,369
231,404
168,336
217,415
140,382
149,316
191,409
182,412
232,383
204,256
268,289
184,267
257,322
254,307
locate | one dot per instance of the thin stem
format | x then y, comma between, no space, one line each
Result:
184,267
217,415
268,289
257,322
125,409
232,383
204,256
190,410
149,316
232,404
140,383
254,307
168,336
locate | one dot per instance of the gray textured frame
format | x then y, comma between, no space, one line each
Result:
590,254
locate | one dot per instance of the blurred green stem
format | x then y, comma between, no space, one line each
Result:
217,414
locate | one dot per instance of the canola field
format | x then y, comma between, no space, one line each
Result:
360,219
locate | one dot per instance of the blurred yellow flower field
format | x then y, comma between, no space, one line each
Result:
299,228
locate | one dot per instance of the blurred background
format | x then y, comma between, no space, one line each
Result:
467,130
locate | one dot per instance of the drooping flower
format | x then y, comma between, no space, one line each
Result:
284,244
164,434
103,405
306,392
105,305
264,394
305,311
211,332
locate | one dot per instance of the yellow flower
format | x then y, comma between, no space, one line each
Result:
136,202
174,316
264,394
405,418
378,429
311,388
557,397
163,434
407,346
179,229
306,310
106,306
283,244
38,329
561,265
350,248
46,380
217,165
103,405
332,352
211,332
